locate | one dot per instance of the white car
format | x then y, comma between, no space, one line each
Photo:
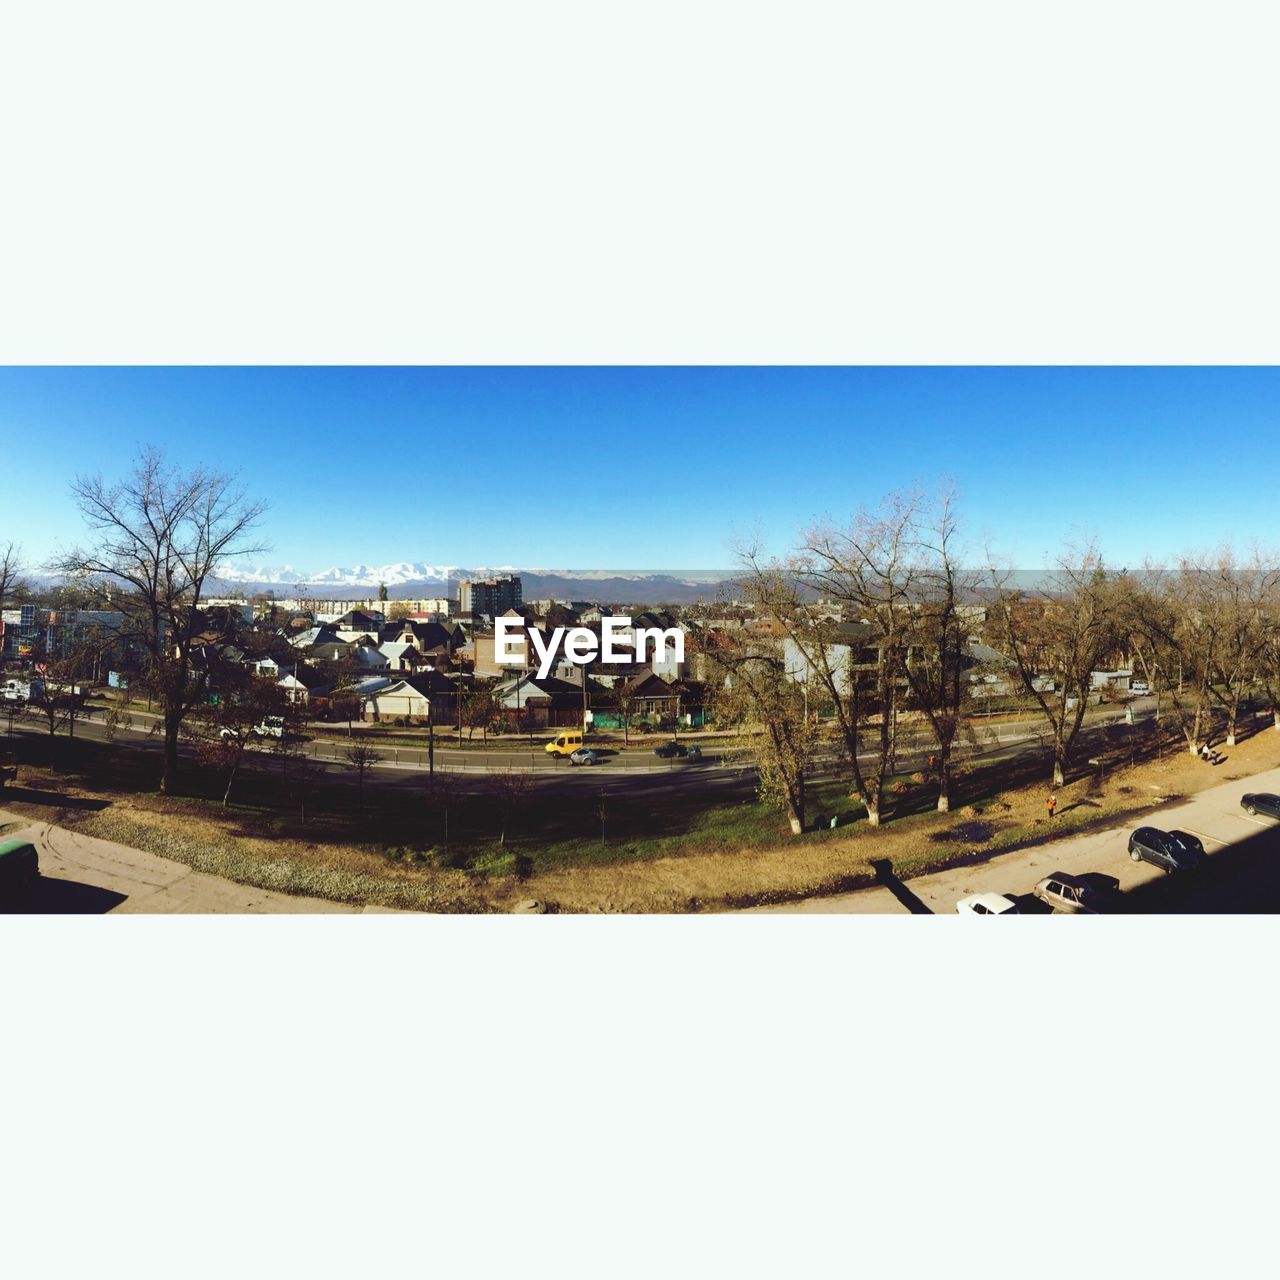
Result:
1139,689
584,755
987,904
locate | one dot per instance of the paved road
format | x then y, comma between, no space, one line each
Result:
84,875
1243,872
403,767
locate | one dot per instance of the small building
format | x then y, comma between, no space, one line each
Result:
427,696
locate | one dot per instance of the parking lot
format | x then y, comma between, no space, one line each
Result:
1242,872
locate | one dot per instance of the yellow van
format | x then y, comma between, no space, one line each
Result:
565,743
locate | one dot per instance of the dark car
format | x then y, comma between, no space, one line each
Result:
1168,850
19,870
1264,802
669,749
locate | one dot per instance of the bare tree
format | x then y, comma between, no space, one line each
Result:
866,569
60,670
756,688
935,667
512,790
13,584
625,700
159,535
1269,628
361,758
478,712
249,711
1058,634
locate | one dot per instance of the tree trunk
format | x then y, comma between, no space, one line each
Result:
873,811
231,778
1059,765
169,778
944,785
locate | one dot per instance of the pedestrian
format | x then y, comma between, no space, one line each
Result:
1051,804
933,764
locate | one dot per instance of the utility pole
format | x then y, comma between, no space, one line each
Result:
431,739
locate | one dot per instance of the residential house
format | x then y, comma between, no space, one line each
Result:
304,683
425,696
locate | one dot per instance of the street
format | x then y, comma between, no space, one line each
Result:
1243,872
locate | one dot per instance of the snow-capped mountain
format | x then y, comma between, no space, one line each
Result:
409,578
358,575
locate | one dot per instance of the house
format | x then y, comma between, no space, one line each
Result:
427,696
651,695
550,703
303,684
269,667
428,638
312,636
359,620
400,656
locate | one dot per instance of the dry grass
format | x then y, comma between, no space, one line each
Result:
711,869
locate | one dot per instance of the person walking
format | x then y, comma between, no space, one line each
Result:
1051,804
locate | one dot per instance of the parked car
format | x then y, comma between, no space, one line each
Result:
1139,688
695,752
584,755
987,904
1264,802
15,691
668,750
1168,850
1064,892
19,870
267,727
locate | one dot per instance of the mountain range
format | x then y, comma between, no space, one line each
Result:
408,579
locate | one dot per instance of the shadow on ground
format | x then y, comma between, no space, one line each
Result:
50,897
55,799
1239,879
885,876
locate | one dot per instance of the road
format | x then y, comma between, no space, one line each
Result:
639,772
83,875
1243,872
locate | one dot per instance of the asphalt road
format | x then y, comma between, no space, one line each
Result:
640,773
1242,872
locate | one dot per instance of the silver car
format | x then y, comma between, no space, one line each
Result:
1069,893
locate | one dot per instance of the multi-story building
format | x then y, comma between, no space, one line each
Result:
493,596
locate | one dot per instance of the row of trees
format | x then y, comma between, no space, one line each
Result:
875,618
867,620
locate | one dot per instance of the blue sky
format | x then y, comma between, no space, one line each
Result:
623,468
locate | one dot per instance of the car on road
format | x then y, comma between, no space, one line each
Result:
584,755
19,870
565,744
267,727
987,904
1266,803
669,750
1064,892
1168,850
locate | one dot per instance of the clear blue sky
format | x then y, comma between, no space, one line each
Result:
659,468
